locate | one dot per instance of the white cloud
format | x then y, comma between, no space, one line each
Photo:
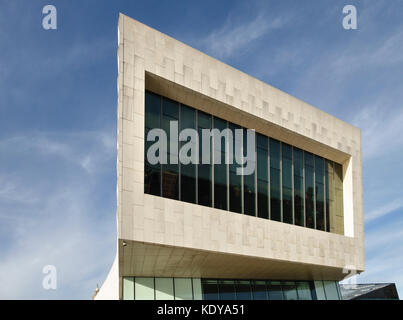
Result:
87,149
384,210
381,126
231,38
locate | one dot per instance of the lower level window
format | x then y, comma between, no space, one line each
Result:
157,288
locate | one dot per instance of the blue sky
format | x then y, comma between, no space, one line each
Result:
58,118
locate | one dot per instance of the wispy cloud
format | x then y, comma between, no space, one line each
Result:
390,207
51,214
381,130
232,37
85,149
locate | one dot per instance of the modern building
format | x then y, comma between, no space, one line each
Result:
290,230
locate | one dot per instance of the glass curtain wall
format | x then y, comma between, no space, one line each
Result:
214,289
289,184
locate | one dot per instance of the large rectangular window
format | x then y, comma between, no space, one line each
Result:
235,180
170,171
157,288
299,194
152,172
286,166
188,171
220,170
275,181
204,121
262,176
320,193
288,184
309,190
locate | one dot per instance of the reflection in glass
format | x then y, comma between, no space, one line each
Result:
319,192
275,291
290,290
309,190
210,290
275,193
259,290
226,290
188,171
299,187
249,194
262,176
235,181
286,154
170,172
152,173
304,290
204,170
220,170
243,290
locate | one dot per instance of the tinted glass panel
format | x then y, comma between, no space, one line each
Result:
243,290
210,290
262,176
287,173
275,188
226,290
204,170
298,187
319,192
170,172
304,290
188,171
259,290
235,181
290,290
309,190
274,289
249,186
220,170
152,173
